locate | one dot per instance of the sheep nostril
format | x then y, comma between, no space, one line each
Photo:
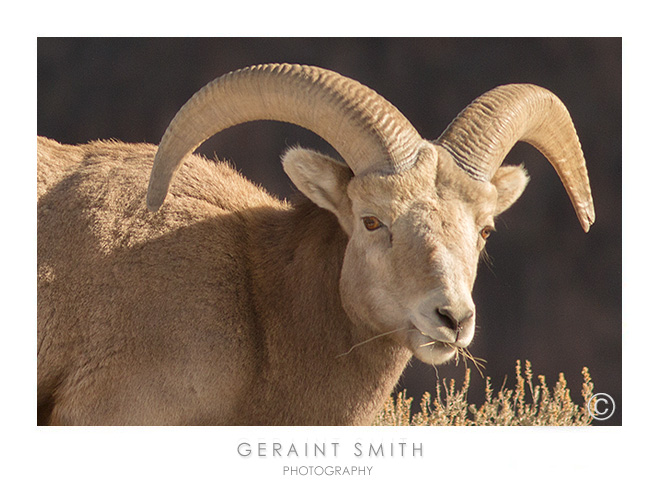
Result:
446,318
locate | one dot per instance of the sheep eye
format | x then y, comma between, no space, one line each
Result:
486,232
371,223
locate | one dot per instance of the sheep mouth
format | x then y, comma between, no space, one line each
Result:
429,349
431,341
439,328
436,341
434,351
432,334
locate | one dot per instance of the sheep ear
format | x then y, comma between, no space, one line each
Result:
510,182
322,179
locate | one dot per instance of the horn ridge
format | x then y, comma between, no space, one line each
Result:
368,132
481,136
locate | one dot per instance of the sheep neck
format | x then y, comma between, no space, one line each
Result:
296,256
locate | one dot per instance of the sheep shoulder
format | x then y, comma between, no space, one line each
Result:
133,303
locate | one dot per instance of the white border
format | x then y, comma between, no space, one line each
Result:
207,456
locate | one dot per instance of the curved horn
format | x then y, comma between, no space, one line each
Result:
363,127
483,133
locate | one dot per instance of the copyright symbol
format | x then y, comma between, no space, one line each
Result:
601,406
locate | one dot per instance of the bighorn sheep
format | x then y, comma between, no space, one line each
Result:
229,306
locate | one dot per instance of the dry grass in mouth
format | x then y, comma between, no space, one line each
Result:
370,340
466,355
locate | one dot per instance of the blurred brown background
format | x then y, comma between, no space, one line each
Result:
552,294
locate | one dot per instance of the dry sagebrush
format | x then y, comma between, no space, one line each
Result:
527,404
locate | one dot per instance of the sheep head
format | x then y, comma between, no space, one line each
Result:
415,241
417,212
